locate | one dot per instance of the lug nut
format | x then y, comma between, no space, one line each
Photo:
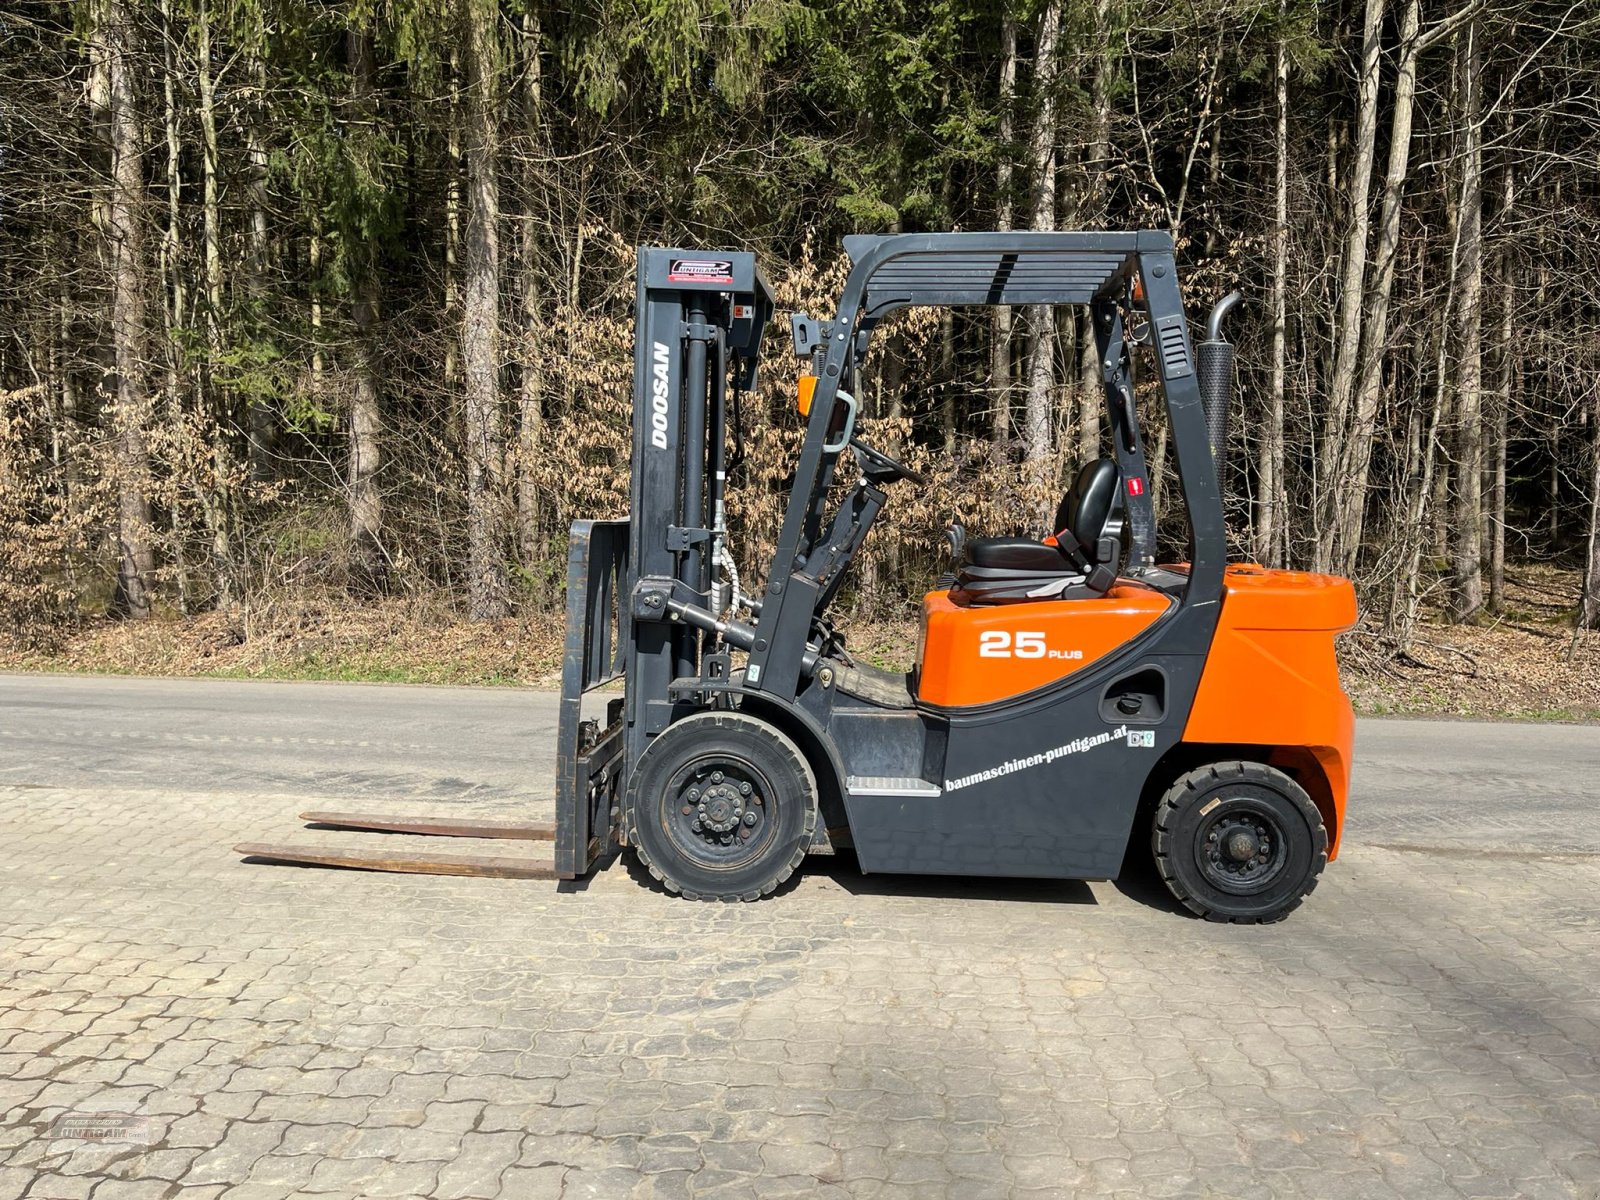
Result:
716,777
749,818
744,789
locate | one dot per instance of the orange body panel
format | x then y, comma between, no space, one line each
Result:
977,655
1271,679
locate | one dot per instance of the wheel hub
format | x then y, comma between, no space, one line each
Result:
1241,850
720,808
1243,845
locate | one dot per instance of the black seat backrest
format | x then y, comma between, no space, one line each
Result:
1088,504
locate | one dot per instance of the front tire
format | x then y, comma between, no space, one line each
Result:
724,807
1239,841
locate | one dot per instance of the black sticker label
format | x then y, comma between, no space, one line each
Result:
700,270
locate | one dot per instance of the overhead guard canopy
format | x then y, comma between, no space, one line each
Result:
906,270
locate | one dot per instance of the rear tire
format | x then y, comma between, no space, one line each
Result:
723,807
1239,841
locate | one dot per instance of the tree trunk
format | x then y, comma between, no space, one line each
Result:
1271,501
215,487
1347,326
1350,488
1466,562
261,430
1589,607
530,423
452,217
172,291
1000,333
117,45
480,315
1094,213
1042,214
947,370
1505,376
1421,470
211,217
368,564
1349,485
314,262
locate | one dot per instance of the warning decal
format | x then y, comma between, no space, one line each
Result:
700,270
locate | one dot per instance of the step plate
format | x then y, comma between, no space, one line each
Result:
402,861
891,785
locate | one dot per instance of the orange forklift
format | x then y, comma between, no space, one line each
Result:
1072,699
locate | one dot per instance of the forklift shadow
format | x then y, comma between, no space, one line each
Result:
844,870
1138,882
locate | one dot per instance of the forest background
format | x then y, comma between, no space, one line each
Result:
316,317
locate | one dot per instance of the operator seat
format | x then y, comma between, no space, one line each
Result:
1082,562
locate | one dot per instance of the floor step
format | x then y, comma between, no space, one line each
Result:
908,786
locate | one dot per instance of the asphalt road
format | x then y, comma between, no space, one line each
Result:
1475,786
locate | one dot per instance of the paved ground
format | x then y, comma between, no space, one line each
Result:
1428,1025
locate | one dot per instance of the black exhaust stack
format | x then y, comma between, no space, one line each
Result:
1214,360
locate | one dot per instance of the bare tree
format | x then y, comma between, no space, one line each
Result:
1000,331
1466,535
530,423
1347,323
480,314
1039,409
115,42
1097,158
1355,453
1505,374
367,560
1589,607
1271,498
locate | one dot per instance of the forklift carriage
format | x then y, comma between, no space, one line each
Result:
1069,690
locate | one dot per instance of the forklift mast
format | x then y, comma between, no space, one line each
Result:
700,318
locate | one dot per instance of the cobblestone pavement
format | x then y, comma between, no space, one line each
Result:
1427,1025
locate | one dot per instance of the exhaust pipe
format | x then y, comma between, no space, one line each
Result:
1214,363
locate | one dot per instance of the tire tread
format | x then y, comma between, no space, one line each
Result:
1188,788
727,720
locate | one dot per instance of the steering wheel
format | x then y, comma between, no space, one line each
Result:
880,468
